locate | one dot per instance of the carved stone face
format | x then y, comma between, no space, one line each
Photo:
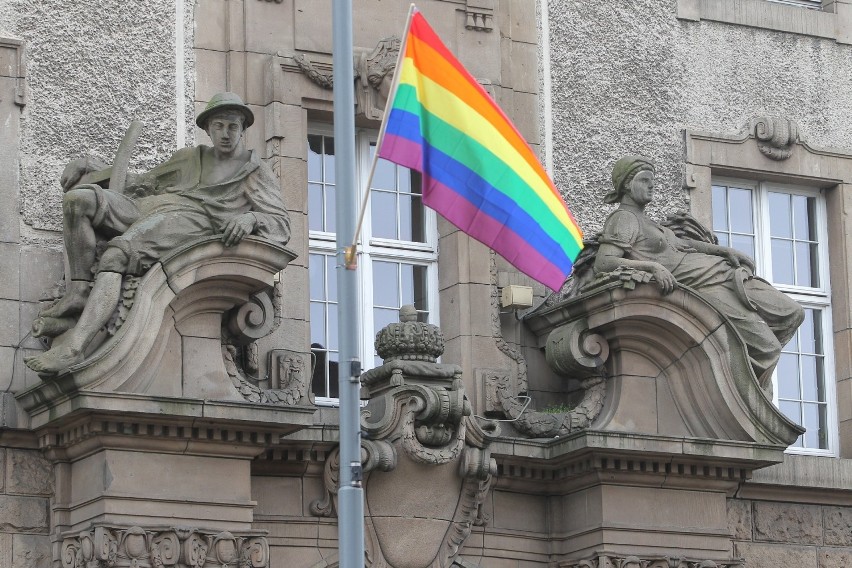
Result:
225,130
642,187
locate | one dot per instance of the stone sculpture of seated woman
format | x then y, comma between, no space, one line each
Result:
765,318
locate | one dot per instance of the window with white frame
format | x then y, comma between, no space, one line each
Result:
784,229
398,258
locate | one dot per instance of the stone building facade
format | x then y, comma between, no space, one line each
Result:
667,453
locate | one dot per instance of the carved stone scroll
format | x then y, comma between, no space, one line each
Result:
775,136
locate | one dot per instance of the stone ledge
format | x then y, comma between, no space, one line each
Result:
764,15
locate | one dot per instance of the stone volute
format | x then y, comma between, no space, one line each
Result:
427,463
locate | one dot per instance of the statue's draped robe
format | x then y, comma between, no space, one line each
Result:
765,318
176,208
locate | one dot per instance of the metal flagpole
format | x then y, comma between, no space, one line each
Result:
350,520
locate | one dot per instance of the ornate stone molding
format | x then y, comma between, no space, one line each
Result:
180,547
621,561
422,448
479,15
775,136
180,304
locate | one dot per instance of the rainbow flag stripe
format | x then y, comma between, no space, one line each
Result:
478,171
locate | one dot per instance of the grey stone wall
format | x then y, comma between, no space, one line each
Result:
26,484
771,534
628,77
92,68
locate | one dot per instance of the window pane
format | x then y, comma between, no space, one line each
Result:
330,208
318,331
315,207
782,261
788,376
810,390
412,218
383,317
328,160
332,337
740,210
384,214
316,277
386,284
421,292
723,239
806,270
815,422
331,276
333,367
803,218
793,411
743,243
314,158
407,272
318,380
779,215
720,208
385,175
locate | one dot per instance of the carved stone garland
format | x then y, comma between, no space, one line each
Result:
420,441
180,547
613,561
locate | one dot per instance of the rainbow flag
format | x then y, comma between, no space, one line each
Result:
478,171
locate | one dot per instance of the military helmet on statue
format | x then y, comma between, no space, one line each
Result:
225,102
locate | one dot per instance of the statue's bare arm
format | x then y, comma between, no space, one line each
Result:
610,257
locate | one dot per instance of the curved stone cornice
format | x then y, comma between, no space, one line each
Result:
676,366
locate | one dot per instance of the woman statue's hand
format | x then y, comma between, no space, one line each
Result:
735,258
665,280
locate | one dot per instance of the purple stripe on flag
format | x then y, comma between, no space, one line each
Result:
462,213
491,232
402,151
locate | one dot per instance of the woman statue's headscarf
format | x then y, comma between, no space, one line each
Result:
623,171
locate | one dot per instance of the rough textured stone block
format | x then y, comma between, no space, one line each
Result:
31,551
838,526
758,555
27,472
834,557
739,519
23,514
789,523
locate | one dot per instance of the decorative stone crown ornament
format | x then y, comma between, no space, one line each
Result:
409,339
422,451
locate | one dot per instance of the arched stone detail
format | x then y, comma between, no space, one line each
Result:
178,309
676,366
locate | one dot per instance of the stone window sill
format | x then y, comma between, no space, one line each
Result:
834,21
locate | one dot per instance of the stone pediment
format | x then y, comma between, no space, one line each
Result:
170,342
674,365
